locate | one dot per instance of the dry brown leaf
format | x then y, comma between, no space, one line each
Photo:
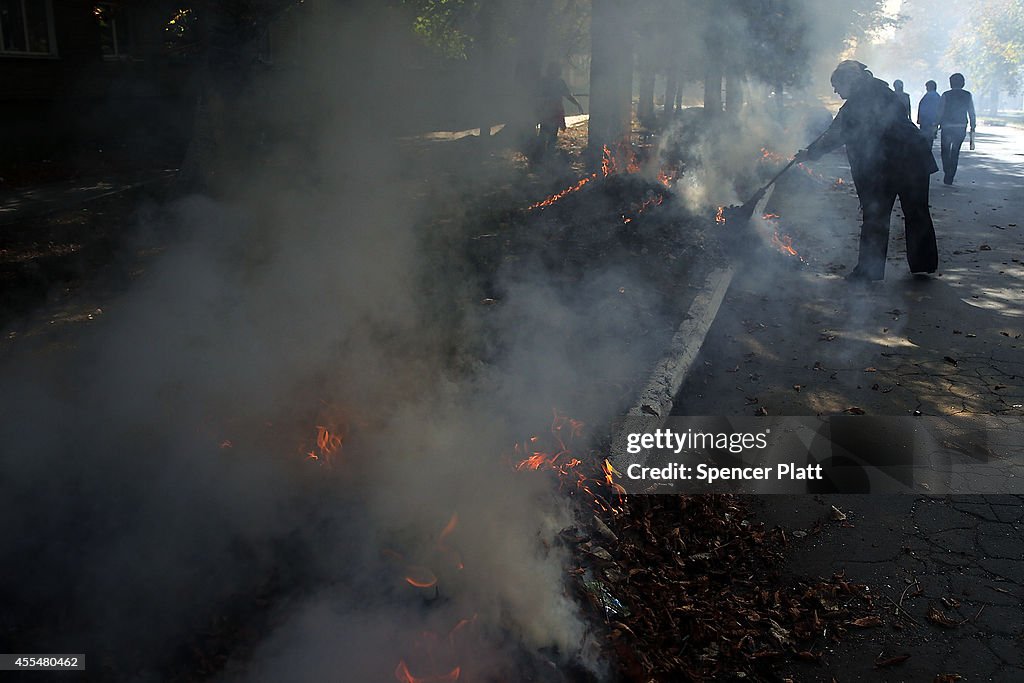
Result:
947,678
937,617
889,661
866,622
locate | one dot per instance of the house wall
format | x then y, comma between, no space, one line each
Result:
77,101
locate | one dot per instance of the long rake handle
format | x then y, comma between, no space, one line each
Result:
785,168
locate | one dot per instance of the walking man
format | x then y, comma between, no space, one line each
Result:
888,158
928,111
897,86
956,110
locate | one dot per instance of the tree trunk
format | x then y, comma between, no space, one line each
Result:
645,95
485,67
671,88
713,87
611,76
533,35
735,85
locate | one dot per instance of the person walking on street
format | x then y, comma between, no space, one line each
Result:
551,112
956,110
889,158
928,111
897,85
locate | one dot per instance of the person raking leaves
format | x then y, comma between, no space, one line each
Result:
889,158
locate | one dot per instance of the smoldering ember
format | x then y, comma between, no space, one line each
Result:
328,326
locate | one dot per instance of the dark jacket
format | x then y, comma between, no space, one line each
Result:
905,98
928,109
880,140
956,108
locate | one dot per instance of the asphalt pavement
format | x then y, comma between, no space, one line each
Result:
793,337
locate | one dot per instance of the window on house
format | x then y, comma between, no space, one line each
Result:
26,27
114,35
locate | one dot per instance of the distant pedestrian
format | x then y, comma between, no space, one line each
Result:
897,86
956,110
551,111
888,158
928,111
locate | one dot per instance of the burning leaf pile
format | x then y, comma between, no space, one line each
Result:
687,587
620,160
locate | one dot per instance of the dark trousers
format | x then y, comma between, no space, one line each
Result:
951,141
877,197
930,131
547,140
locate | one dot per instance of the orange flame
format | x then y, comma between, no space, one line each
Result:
720,215
558,195
622,155
607,162
449,527
404,676
768,155
329,435
451,554
421,577
463,623
656,200
784,243
611,161
599,485
326,441
562,429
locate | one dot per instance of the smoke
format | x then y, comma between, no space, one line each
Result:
156,475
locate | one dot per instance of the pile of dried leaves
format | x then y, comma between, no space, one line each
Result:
688,588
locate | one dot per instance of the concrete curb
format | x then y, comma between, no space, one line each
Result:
656,399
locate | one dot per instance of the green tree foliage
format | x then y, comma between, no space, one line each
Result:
923,39
773,41
445,25
991,45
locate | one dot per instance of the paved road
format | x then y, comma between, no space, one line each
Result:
799,340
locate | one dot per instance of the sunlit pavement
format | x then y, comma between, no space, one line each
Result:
803,341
